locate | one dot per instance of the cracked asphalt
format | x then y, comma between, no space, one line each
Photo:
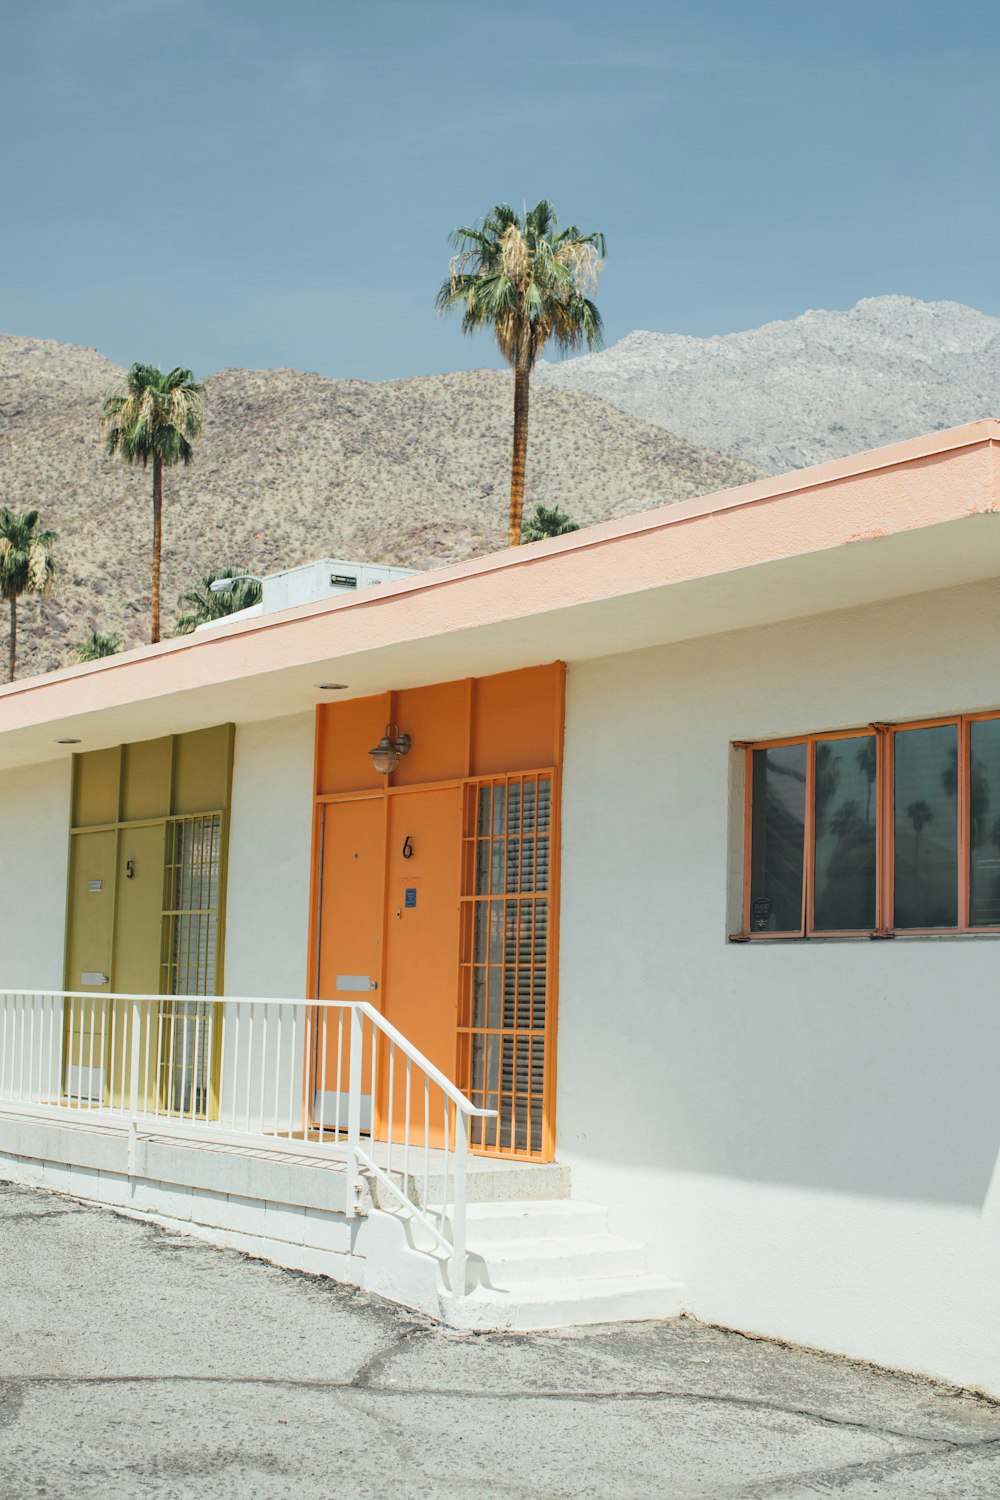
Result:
135,1362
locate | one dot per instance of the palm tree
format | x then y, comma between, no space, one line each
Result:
25,566
155,417
95,646
204,606
547,521
528,281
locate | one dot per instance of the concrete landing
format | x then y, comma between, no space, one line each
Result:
536,1258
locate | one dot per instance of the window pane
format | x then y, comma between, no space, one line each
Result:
984,874
845,835
777,839
926,821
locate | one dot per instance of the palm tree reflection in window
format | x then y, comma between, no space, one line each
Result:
926,827
778,838
845,835
919,815
984,834
867,762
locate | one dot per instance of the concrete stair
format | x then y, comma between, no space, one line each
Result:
555,1263
489,1179
537,1258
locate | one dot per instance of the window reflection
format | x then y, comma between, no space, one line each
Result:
984,836
845,802
778,839
926,827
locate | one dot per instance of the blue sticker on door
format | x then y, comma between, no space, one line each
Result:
411,895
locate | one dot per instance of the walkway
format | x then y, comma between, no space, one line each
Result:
139,1363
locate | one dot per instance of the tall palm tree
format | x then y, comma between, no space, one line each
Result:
529,281
203,605
95,646
155,417
25,566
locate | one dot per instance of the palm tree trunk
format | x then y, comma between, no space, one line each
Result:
519,458
157,543
12,663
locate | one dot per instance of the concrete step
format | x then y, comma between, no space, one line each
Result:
568,1303
540,1279
508,1263
492,1223
489,1180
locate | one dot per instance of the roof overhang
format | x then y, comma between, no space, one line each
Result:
912,517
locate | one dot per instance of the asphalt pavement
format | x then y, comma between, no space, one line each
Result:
135,1362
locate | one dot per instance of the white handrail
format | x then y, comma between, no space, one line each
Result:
434,1074
151,1059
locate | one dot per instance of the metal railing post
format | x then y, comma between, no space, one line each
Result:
458,1209
133,1082
353,1204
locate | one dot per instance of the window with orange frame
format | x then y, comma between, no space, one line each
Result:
890,829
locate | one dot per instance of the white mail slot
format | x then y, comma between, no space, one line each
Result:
93,976
354,982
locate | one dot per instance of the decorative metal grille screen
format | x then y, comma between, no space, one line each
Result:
506,966
190,943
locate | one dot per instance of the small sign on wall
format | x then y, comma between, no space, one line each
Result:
410,899
760,912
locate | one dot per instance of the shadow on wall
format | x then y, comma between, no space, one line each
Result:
884,1091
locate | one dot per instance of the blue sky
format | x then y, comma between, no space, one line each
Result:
235,182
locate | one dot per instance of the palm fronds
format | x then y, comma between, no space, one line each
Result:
203,605
528,280
547,521
155,415
26,565
96,646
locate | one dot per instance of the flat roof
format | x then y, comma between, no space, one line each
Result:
899,520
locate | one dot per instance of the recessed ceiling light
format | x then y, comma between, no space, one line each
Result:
331,687
67,742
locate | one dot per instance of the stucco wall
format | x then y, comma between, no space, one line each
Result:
267,913
34,857
805,1133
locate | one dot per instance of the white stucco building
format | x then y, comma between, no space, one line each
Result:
688,881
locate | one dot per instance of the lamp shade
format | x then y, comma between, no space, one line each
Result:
386,754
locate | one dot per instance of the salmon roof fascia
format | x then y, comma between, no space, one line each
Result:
982,433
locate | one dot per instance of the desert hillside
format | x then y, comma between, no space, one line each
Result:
819,386
294,466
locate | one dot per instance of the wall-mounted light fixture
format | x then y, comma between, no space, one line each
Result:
390,748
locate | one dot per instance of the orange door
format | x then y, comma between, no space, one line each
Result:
350,948
423,890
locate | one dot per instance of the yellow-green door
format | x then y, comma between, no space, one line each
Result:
88,965
139,923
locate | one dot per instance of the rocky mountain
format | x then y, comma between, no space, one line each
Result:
821,386
294,466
